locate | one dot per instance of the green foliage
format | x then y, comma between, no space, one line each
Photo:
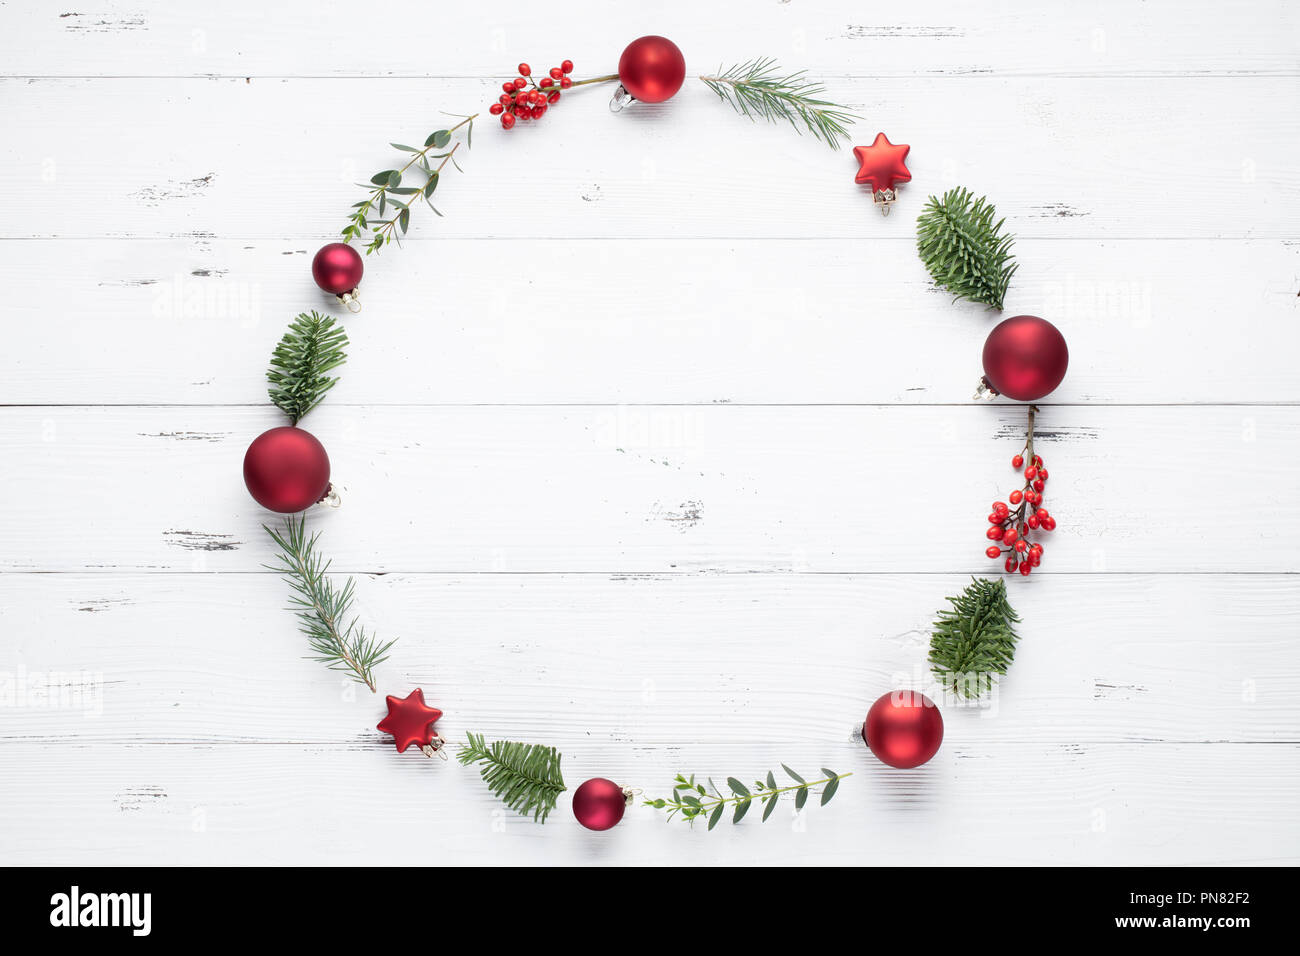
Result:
756,89
974,640
322,608
311,348
526,777
694,800
965,250
388,192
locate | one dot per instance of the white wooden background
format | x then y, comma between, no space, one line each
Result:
684,488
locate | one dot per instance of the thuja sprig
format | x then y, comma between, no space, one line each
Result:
693,800
300,364
964,250
322,609
758,88
387,189
526,777
974,640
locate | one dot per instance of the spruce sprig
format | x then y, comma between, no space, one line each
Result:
694,800
757,88
322,608
300,364
386,189
975,639
965,250
526,777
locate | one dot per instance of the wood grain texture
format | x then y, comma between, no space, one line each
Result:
659,446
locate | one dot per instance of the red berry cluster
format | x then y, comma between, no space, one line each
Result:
525,98
1011,529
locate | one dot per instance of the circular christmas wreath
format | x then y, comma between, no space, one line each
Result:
287,470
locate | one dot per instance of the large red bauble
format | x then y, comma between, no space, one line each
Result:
286,469
337,268
904,729
599,803
1025,357
652,69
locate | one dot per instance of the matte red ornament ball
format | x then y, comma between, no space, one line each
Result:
599,803
286,469
904,729
652,69
1025,358
337,268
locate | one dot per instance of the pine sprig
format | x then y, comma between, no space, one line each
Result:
322,608
311,348
387,191
694,800
757,88
526,777
965,250
974,640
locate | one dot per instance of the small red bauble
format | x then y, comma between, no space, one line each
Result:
882,166
286,469
904,729
599,803
337,268
1025,358
410,720
652,69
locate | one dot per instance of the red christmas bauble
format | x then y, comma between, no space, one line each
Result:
903,728
599,803
286,469
337,268
1025,358
652,69
409,720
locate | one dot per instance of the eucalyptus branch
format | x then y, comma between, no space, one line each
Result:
322,608
757,88
694,800
386,188
311,348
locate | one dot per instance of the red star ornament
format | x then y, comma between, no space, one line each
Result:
882,166
410,721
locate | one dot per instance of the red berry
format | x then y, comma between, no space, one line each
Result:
556,72
1020,546
546,83
525,69
1038,484
1035,558
994,533
1042,513
1049,523
1031,473
521,99
1017,461
508,86
1015,497
496,109
1037,499
567,66
1042,472
1000,507
1010,536
553,96
995,518
1011,563
508,120
519,83
1025,568
565,82
1038,460
993,551
1033,521
539,111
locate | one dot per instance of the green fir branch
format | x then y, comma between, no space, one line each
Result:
965,251
322,608
311,348
757,88
387,191
526,777
974,640
694,800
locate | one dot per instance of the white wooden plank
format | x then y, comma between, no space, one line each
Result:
182,658
135,37
180,321
1065,157
986,804
661,488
